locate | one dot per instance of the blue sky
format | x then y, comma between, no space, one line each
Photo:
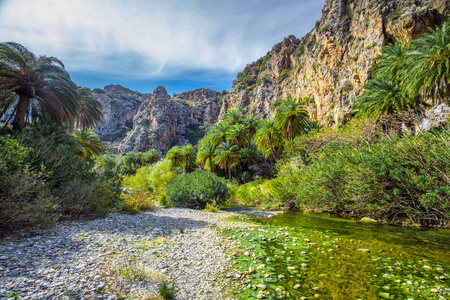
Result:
179,44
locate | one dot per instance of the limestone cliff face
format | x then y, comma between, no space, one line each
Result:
162,122
120,105
329,66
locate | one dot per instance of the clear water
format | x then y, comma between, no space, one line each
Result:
295,255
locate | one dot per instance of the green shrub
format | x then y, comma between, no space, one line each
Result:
396,180
135,201
283,75
196,189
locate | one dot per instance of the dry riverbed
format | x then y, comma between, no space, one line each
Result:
121,257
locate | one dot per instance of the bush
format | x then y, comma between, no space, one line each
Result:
399,180
135,201
196,189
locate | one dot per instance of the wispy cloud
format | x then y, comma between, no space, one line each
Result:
154,39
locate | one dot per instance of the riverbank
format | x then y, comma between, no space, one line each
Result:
121,257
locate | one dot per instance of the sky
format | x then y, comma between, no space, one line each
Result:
140,44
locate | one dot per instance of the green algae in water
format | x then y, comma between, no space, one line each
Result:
295,255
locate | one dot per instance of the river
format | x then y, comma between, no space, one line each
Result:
295,255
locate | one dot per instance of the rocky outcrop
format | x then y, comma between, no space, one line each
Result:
120,105
163,122
328,67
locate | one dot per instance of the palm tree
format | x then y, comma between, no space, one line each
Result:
248,155
267,137
91,110
382,96
206,152
237,134
31,85
251,124
233,117
291,117
391,61
174,154
218,133
91,145
226,154
150,156
428,64
187,155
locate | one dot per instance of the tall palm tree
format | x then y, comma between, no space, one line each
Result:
206,152
31,85
251,124
233,117
174,154
188,155
150,156
381,97
291,117
391,62
268,137
91,110
237,134
248,155
428,64
218,133
91,145
226,155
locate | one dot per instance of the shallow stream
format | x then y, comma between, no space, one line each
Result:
295,255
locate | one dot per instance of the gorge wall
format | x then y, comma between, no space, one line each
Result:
328,67
140,122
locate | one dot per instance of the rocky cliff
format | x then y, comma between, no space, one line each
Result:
162,122
120,105
328,67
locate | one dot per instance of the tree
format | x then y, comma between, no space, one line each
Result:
291,117
248,155
237,134
267,137
233,117
218,133
251,124
187,155
206,152
381,96
149,157
31,85
174,154
91,145
91,110
428,64
391,62
226,154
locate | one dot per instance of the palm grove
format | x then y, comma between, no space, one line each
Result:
374,166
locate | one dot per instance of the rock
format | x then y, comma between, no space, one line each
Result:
261,286
364,250
246,253
162,120
368,220
329,66
297,286
281,277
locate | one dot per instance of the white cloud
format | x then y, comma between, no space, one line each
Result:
154,39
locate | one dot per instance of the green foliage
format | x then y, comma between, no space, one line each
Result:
291,118
195,190
43,180
135,201
268,194
284,74
396,180
167,292
265,60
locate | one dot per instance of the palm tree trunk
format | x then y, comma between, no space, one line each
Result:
229,171
210,165
22,107
271,148
291,129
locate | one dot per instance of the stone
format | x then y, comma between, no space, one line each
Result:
261,286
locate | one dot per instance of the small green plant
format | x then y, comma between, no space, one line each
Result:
14,295
211,207
283,75
167,292
332,106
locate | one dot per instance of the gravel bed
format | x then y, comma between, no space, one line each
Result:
121,257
